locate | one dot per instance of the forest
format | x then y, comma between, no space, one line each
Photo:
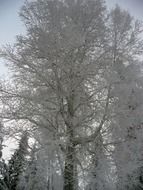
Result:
73,99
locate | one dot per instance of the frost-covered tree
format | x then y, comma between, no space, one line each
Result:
35,175
65,76
3,165
97,172
4,177
125,81
128,122
41,171
56,72
126,96
16,164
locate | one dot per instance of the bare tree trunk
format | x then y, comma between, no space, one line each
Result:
69,165
69,168
75,175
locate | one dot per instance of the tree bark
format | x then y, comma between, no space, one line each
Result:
69,157
69,168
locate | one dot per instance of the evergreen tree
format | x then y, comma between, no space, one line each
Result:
17,162
35,174
4,177
3,165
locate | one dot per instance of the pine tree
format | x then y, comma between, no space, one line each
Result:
3,165
17,162
34,176
4,177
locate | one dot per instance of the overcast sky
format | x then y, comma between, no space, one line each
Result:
135,7
10,24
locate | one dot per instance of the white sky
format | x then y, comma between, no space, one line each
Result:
10,146
10,24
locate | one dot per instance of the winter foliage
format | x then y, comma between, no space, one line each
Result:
76,96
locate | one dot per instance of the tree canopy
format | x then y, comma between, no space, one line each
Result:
76,86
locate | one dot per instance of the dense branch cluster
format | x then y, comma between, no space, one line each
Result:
76,86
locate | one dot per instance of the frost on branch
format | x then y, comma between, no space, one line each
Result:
76,86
